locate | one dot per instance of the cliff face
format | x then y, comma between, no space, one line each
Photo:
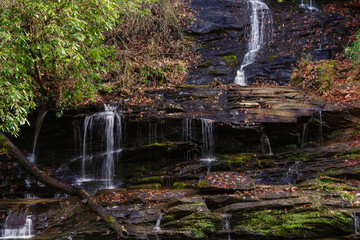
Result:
224,28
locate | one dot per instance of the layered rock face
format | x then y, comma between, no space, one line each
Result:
224,29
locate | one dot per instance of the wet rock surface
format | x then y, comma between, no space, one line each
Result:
223,28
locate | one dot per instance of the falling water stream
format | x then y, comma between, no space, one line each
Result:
39,121
265,144
186,129
308,6
207,127
260,16
18,226
356,222
105,125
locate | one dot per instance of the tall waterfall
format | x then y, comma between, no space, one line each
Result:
39,121
101,145
18,226
260,16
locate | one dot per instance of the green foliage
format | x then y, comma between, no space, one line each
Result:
55,48
353,52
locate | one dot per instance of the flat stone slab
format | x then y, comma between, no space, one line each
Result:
234,104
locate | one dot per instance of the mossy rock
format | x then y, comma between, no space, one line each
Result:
239,160
231,60
299,223
147,180
201,224
206,64
145,186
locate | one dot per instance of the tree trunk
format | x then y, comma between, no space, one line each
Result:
64,187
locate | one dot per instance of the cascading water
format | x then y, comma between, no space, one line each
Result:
207,127
356,222
321,140
39,121
265,144
186,129
260,16
18,226
308,6
96,154
226,221
157,227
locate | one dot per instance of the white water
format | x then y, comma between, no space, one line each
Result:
186,129
39,121
308,6
157,227
18,226
265,144
260,16
226,220
356,222
207,127
106,126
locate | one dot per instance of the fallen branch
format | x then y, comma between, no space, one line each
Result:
64,187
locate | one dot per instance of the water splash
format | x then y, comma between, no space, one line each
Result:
18,226
265,144
186,129
106,126
39,121
260,15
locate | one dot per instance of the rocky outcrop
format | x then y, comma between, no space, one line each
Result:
223,27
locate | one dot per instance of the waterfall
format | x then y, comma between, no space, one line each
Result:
39,121
260,15
356,222
308,6
157,227
101,143
265,144
321,128
186,129
226,220
18,226
207,139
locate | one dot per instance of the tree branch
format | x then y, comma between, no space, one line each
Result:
64,187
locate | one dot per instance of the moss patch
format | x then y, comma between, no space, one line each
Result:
231,61
296,224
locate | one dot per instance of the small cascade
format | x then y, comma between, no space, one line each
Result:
157,227
308,6
18,226
39,121
226,221
304,134
356,222
101,145
321,128
186,129
260,16
207,139
265,144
